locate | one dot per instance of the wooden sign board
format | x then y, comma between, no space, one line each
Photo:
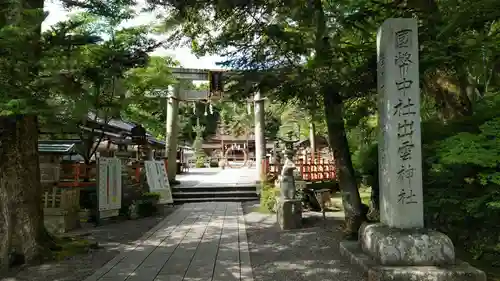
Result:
156,175
109,183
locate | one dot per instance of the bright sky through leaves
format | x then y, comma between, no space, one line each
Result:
183,55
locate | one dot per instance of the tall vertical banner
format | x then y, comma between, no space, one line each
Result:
156,175
109,183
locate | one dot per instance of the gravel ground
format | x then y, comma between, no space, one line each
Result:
309,254
112,236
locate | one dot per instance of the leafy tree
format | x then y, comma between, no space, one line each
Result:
139,82
101,69
38,85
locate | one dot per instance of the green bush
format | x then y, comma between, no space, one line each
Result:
147,204
462,188
150,195
268,197
200,162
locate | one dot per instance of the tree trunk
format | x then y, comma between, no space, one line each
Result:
20,190
355,214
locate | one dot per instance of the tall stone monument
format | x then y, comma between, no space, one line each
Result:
399,247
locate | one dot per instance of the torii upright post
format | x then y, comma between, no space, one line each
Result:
172,129
260,143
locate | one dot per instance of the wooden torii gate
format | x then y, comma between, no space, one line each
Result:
177,94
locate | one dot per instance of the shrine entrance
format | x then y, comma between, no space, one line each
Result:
236,156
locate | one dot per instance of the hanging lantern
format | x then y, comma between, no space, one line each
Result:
210,107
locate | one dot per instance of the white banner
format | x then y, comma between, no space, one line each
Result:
156,175
109,182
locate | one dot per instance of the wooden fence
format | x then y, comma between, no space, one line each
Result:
311,168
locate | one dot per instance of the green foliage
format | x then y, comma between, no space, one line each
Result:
200,161
72,246
150,196
237,118
272,125
149,112
147,204
23,90
268,196
463,187
198,146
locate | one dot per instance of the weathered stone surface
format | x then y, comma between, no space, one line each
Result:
416,247
289,213
461,271
400,148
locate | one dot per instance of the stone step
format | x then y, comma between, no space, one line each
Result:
214,199
215,193
213,188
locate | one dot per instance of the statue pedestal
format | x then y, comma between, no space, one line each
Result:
289,213
391,254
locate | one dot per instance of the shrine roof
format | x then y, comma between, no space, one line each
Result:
57,146
231,138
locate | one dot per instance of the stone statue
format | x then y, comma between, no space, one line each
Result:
287,182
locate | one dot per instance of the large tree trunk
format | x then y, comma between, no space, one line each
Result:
355,214
21,213
20,190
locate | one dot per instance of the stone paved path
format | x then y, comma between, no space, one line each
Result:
198,242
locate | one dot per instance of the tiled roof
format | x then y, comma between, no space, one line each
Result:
57,146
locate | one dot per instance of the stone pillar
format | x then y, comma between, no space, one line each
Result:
260,143
172,130
400,150
399,247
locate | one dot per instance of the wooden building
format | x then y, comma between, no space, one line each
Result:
220,145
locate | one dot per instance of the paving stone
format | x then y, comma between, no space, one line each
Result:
198,242
202,265
227,265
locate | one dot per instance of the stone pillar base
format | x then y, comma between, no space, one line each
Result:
289,213
395,247
388,254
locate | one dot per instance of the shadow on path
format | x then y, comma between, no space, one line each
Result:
308,254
